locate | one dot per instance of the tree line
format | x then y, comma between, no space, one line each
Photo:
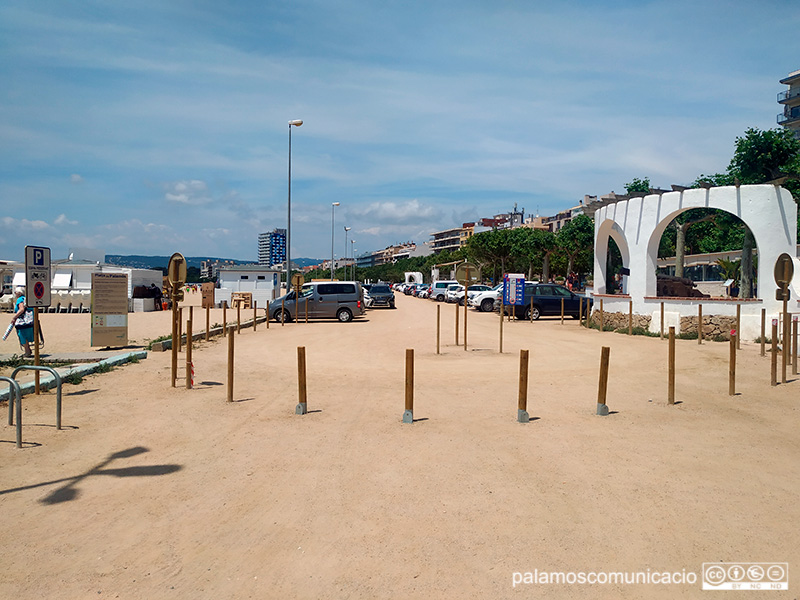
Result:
770,156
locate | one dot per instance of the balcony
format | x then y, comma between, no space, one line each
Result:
788,95
790,116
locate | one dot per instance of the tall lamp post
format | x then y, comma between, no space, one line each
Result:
296,123
333,208
353,256
346,229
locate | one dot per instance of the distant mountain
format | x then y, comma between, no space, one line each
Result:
157,262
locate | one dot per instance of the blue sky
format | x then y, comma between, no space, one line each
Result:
156,127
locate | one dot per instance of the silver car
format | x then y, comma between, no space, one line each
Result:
343,300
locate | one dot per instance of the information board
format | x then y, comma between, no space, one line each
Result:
37,276
514,289
109,309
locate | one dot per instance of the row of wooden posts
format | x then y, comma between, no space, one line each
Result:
177,335
790,348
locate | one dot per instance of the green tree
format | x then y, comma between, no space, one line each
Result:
638,185
576,237
761,157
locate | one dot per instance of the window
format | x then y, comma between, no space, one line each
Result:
245,277
262,277
560,291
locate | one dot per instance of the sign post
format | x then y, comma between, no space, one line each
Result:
37,291
176,272
467,274
784,271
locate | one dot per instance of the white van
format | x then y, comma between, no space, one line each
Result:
439,289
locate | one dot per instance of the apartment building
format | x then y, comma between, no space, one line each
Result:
272,247
790,99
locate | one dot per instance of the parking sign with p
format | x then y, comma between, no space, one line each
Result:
37,276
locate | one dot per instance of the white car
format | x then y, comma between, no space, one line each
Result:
484,301
452,290
472,291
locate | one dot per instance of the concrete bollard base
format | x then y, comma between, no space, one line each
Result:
301,409
522,416
408,416
602,410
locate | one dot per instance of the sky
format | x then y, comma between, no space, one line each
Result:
154,127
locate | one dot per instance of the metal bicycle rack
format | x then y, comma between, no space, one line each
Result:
58,390
14,391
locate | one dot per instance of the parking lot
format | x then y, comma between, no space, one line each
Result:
155,492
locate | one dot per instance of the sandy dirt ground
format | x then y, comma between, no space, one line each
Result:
152,492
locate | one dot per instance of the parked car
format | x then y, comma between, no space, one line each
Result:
439,288
381,294
472,291
484,301
343,300
426,291
544,299
452,290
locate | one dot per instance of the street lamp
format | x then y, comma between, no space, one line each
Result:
296,123
353,256
346,229
333,207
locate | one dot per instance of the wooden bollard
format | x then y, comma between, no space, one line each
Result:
306,310
180,329
602,316
562,311
671,384
580,310
699,323
255,314
174,348
774,359
602,386
531,313
738,326
408,414
522,396
502,316
457,325
238,317
466,306
662,320
230,365
732,365
224,318
438,326
302,404
283,311
794,345
786,343
763,332
208,321
189,354
630,317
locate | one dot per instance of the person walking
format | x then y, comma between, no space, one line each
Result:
23,321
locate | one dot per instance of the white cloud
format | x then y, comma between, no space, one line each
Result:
25,224
63,220
193,192
75,178
396,213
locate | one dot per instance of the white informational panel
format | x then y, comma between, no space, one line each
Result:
109,309
37,276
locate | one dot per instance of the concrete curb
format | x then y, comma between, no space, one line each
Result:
48,381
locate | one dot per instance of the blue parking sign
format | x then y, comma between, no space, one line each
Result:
514,289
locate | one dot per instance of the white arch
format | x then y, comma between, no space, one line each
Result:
608,229
768,210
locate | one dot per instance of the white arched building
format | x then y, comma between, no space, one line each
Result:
636,225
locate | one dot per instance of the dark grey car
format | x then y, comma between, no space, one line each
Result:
381,295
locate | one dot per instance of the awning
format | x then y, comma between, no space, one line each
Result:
62,281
